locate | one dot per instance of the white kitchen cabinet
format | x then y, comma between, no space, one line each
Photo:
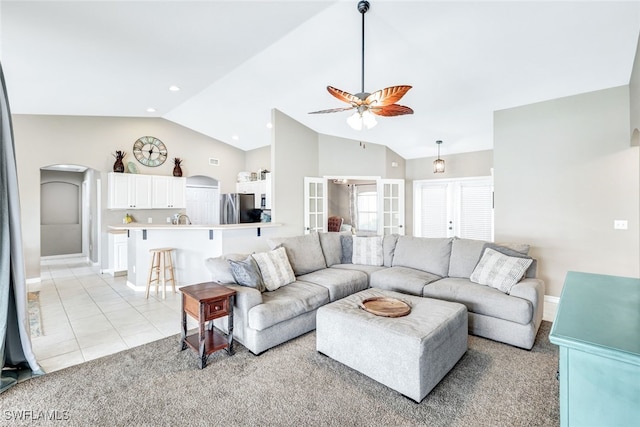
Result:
259,188
118,254
134,191
118,191
129,191
140,191
169,192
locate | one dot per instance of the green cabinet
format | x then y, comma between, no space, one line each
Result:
597,328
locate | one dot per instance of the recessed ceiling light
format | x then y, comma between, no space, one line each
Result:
174,88
151,110
269,125
235,137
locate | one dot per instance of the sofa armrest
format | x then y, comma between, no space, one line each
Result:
529,289
246,299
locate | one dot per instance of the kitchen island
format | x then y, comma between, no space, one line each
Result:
193,244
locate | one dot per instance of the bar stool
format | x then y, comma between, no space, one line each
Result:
161,261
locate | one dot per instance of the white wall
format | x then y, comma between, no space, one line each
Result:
259,158
564,170
634,100
91,141
346,157
294,155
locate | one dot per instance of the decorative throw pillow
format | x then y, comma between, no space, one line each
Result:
346,241
275,268
246,273
367,250
499,271
518,253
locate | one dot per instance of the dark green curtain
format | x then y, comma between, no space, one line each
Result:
18,360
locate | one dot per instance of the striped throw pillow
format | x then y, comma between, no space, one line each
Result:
275,268
499,271
367,250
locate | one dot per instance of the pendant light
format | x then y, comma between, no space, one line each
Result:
438,164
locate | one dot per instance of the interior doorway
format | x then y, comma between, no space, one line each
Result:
368,205
69,212
203,200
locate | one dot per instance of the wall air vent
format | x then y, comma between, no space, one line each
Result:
213,162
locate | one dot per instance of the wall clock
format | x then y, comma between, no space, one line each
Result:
150,151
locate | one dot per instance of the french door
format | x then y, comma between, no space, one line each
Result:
391,206
458,207
315,205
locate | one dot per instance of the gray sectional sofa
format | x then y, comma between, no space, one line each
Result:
427,267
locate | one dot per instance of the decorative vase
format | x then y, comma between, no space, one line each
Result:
118,166
177,170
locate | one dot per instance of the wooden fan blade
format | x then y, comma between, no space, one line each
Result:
387,96
391,110
344,96
333,110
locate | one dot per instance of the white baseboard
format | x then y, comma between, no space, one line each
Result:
550,308
33,280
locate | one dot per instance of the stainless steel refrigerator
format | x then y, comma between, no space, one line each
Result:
236,208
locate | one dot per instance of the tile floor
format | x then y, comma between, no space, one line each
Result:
87,315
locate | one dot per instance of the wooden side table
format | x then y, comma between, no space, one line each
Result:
205,302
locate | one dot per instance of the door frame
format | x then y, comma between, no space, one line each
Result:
379,182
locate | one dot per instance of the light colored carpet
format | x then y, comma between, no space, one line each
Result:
35,316
292,385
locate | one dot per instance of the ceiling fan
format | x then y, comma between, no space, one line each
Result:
380,103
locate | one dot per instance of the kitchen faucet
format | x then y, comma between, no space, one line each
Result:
178,218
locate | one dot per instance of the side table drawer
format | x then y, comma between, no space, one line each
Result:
215,309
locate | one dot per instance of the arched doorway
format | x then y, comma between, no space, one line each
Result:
69,212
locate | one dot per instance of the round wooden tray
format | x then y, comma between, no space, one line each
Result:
385,306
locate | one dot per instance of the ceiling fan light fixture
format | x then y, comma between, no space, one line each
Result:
362,120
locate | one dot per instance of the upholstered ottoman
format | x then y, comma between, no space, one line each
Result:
409,354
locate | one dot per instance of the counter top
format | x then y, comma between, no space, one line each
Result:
243,226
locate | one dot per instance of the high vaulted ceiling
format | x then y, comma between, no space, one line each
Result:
236,60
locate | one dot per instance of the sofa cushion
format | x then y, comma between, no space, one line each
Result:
339,282
388,248
465,254
274,268
366,269
522,248
220,269
499,271
423,253
481,299
304,252
247,273
367,250
331,244
402,279
286,303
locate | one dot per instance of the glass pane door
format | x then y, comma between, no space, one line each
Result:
391,201
315,205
